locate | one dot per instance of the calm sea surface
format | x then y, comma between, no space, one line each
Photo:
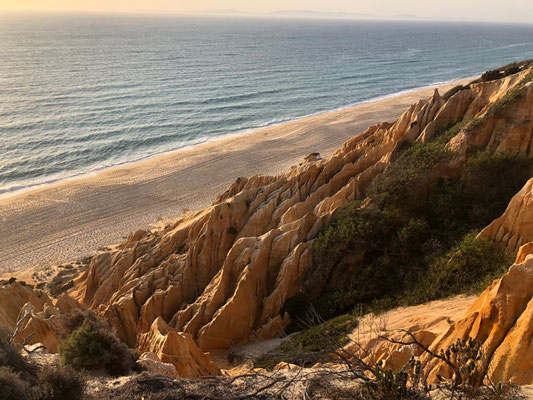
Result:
80,93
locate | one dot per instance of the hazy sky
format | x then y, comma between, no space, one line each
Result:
493,10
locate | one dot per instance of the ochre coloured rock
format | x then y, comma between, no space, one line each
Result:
40,327
13,297
284,366
515,227
151,362
523,252
223,274
45,324
501,320
178,349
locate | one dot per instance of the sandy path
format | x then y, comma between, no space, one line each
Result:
68,220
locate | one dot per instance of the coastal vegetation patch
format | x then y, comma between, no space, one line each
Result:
22,379
92,345
416,242
313,344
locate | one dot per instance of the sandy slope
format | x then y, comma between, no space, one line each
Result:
435,316
68,220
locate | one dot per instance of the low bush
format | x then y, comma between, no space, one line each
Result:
12,386
60,382
405,183
468,268
511,69
11,358
491,75
92,345
22,379
306,347
77,317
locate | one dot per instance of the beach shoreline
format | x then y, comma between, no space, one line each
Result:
66,220
16,190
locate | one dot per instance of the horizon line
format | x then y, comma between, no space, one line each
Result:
277,14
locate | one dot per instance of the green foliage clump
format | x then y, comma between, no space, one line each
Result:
308,346
92,345
489,181
469,267
506,70
491,75
407,178
512,69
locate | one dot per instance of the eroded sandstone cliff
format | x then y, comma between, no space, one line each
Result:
220,277
223,274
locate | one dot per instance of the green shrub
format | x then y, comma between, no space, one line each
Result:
512,69
491,75
490,180
93,346
407,179
469,267
308,346
77,317
21,379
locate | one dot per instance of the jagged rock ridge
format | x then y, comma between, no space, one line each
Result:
223,274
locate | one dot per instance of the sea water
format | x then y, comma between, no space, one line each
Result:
80,93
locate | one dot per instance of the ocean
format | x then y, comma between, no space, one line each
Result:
79,93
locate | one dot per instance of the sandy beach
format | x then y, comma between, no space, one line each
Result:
68,220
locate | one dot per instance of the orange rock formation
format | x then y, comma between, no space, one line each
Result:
222,275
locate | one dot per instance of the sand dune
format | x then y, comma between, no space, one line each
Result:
68,220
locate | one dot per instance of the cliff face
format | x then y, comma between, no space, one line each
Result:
222,275
515,227
501,319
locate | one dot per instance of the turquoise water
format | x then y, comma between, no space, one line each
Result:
80,93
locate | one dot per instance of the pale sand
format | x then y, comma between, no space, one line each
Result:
435,316
68,220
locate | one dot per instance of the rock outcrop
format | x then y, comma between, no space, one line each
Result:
44,324
515,227
222,275
151,362
13,297
178,349
501,319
